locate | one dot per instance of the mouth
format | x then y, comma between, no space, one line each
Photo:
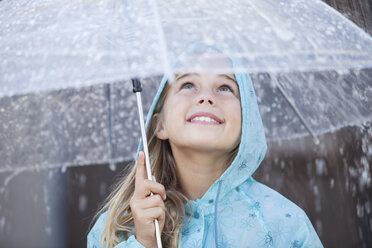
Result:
205,118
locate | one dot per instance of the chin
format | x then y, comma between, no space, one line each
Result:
207,145
203,141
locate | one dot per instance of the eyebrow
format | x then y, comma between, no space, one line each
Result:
185,75
219,75
228,77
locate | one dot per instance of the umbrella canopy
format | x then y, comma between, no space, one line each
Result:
52,44
49,45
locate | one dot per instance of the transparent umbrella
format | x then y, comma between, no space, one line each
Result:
307,47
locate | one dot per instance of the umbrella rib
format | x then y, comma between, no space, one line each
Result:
162,41
110,110
293,106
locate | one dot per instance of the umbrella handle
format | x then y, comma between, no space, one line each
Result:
137,89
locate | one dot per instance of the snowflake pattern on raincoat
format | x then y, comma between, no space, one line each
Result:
237,211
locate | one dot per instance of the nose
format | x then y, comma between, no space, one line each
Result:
206,98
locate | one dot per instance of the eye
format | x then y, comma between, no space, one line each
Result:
187,86
225,88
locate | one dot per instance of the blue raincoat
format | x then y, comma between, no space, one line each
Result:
237,211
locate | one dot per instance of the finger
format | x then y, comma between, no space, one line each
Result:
152,201
145,188
163,196
151,214
140,169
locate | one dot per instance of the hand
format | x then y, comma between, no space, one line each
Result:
146,208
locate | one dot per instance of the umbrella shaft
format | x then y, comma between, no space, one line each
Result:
148,167
144,138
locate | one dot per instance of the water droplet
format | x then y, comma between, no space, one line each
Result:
318,205
360,233
112,166
284,34
360,210
330,30
332,183
318,224
369,153
98,57
82,180
320,167
315,190
83,201
282,164
102,189
276,160
367,207
341,150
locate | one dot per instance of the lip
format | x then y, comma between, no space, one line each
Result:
205,114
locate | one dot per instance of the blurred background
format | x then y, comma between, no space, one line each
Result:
53,206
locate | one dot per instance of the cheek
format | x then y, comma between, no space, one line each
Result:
237,123
174,112
235,113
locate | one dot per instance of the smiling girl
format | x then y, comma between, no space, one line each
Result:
206,139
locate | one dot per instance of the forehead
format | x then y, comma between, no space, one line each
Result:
205,63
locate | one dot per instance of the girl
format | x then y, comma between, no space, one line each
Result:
206,139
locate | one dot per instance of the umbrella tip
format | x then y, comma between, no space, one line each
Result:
136,85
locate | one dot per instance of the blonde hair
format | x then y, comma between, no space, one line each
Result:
119,215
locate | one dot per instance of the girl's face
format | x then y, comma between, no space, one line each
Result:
202,112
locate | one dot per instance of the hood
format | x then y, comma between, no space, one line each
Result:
252,146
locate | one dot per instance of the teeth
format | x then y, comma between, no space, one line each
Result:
204,118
